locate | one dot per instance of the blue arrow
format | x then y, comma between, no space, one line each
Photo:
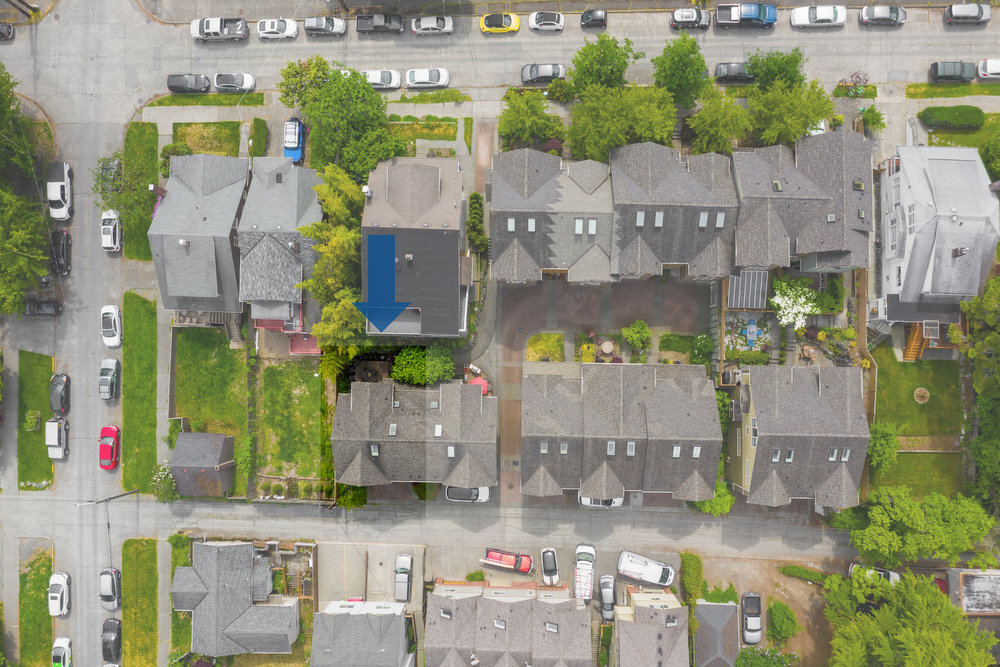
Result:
381,309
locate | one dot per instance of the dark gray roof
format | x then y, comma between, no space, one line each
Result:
359,640
716,639
196,460
648,640
809,410
219,589
466,420
191,237
450,640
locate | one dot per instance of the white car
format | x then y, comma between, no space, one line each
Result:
433,25
59,594
545,21
640,568
111,326
874,572
989,68
59,190
62,652
460,494
751,618
111,231
382,79
277,29
818,16
599,502
428,77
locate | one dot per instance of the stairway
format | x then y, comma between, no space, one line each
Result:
914,342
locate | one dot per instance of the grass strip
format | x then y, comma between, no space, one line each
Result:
180,621
870,91
139,601
210,100
218,138
140,165
804,573
921,91
435,130
468,133
138,393
433,97
34,468
35,629
258,138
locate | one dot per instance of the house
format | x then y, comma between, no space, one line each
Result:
717,635
203,464
275,257
385,432
977,594
419,202
940,225
605,429
361,634
798,433
650,629
227,589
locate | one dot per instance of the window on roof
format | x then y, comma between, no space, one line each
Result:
592,226
630,448
563,447
845,455
789,455
833,454
445,613
696,452
531,224
611,447
437,430
677,451
658,220
775,455
640,218
551,627
374,448
543,447
510,224
500,625
451,451
392,430
579,225
703,220
720,220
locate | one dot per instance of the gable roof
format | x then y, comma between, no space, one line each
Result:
360,639
197,464
649,640
716,639
270,271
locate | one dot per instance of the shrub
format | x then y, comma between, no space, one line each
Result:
474,225
265,488
328,490
307,490
477,575
587,352
831,299
692,578
561,90
837,120
748,357
883,444
352,497
638,335
277,490
957,117
989,151
671,342
781,623
701,349
718,594
803,573
164,486
169,151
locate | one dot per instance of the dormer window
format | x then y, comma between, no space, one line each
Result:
658,220
630,448
543,447
611,447
374,448
592,226
451,451
677,451
510,224
579,226
392,430
531,224
720,220
703,220
640,218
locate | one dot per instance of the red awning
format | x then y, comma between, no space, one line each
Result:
480,381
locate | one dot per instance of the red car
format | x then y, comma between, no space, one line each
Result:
109,449
509,561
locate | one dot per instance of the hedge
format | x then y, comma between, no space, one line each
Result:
748,357
474,226
958,117
692,578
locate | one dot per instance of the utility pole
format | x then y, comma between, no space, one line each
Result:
104,500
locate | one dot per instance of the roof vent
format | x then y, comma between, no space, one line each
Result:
859,185
861,214
293,246
408,257
426,225
183,242
831,217
776,185
366,191
958,252
395,404
277,177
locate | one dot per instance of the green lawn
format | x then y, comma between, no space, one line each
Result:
139,601
34,468
211,100
138,392
440,129
434,97
545,347
35,629
932,90
972,138
290,403
674,342
923,472
940,415
140,158
258,138
180,621
218,138
467,121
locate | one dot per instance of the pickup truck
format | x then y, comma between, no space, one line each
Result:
57,438
509,561
645,569
746,14
586,558
218,29
367,23
401,580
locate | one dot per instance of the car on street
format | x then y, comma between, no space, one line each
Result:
59,191
542,73
546,21
108,379
59,602
111,640
460,494
550,567
188,83
874,571
277,29
6,31
42,308
61,247
594,18
508,560
109,589
432,25
111,326
382,79
689,17
989,68
640,568
427,77
59,394
402,576
325,26
294,142
62,652
606,589
751,618
873,15
234,82
498,23
732,73
952,71
818,16
599,502
109,447
746,15
111,231
971,12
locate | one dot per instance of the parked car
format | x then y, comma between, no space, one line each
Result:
109,447
372,23
61,251
818,16
59,191
6,31
989,68
277,29
751,618
325,26
594,18
509,561
62,652
873,571
111,325
967,13
732,73
111,640
427,77
294,143
872,15
497,23
59,393
382,79
546,21
461,494
550,567
583,574
59,602
42,308
746,15
108,379
638,567
599,502
234,82
433,25
607,591
109,589
111,231
542,73
689,17
188,83
952,71
404,571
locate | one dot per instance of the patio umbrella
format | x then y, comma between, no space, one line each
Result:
479,381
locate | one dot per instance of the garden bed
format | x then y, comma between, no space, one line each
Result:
941,414
433,97
545,347
139,601
590,347
34,467
218,138
290,401
138,456
34,622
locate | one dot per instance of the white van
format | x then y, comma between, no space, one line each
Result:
57,437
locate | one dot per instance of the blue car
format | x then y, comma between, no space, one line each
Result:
295,140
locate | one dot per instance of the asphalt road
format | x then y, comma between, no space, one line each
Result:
91,66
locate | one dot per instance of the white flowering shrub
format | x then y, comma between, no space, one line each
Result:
793,300
164,486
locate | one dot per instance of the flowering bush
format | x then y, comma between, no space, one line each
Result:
864,363
821,336
793,300
164,486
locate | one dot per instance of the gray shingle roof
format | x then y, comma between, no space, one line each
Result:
270,271
467,421
359,640
649,641
194,461
716,639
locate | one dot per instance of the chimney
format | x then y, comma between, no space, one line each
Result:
958,252
226,465
183,242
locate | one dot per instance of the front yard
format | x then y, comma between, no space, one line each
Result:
139,601
219,138
35,624
34,468
138,456
941,414
923,472
972,138
290,402
140,157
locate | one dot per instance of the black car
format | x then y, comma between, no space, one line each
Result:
42,308
188,83
61,252
111,640
542,73
732,73
594,18
6,31
59,393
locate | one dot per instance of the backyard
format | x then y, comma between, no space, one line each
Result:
139,601
301,649
923,472
34,468
35,627
290,403
138,457
940,413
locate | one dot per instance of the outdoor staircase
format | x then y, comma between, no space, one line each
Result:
914,342
595,643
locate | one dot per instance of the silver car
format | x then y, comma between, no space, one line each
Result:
108,379
427,77
751,618
607,590
432,25
109,589
404,571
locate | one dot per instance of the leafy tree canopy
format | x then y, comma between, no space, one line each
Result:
603,63
525,120
985,449
681,70
883,444
423,366
989,151
15,147
359,157
606,118
781,622
638,335
768,67
782,113
719,123
983,340
24,249
873,119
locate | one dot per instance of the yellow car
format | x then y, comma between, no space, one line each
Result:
504,22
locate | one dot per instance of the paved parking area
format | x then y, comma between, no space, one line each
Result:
347,570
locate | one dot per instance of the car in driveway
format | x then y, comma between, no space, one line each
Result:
234,82
109,447
42,308
542,72
6,31
62,652
382,79
111,231
874,15
499,23
640,568
402,576
59,602
594,18
59,394
599,502
689,17
818,16
873,571
508,560
277,29
59,191
550,567
432,25
294,142
188,83
989,68
732,73
750,606
427,77
111,640
109,589
108,379
460,494
61,252
111,326
552,21
970,12
325,26
606,590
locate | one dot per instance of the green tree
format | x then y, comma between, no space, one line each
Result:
883,444
723,500
681,70
423,366
985,450
722,401
15,147
360,157
301,79
754,656
983,340
781,114
793,299
771,66
719,123
989,151
341,198
338,240
606,118
341,324
24,250
525,120
781,622
873,119
602,63
638,335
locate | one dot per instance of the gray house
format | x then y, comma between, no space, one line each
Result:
361,634
717,637
202,464
655,636
227,589
605,429
419,201
385,432
799,433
